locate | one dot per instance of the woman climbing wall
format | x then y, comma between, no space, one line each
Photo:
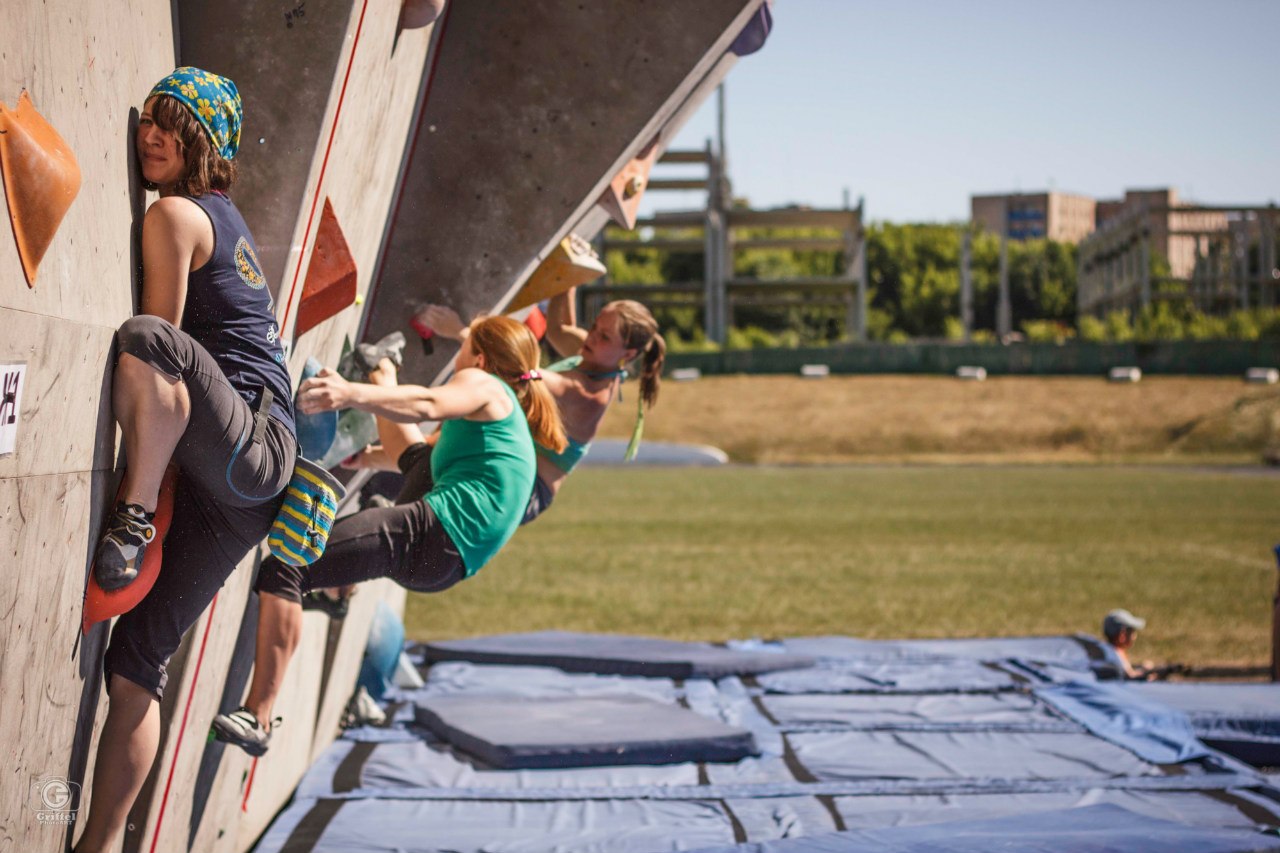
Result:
200,380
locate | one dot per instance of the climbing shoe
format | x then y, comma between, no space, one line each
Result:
119,558
242,728
362,710
356,365
334,608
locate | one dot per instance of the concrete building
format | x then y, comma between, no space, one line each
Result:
1178,235
1176,228
1058,216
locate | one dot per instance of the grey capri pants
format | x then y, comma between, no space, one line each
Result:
230,487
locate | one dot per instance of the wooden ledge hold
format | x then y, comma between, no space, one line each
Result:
41,180
570,264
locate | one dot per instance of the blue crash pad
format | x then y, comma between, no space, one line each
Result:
1145,727
1242,720
1093,829
613,655
590,732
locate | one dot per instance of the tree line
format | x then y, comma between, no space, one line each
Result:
913,281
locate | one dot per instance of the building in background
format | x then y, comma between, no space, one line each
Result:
1178,234
1176,229
1065,217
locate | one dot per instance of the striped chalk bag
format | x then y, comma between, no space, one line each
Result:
301,530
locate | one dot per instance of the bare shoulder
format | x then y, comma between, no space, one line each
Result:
476,380
557,383
177,214
174,207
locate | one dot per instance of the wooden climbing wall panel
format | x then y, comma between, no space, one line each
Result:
87,68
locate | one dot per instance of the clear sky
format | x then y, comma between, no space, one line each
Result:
916,104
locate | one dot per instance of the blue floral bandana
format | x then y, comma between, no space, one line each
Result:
213,100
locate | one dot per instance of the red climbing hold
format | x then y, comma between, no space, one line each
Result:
536,321
100,604
330,285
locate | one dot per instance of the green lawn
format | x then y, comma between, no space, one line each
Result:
889,552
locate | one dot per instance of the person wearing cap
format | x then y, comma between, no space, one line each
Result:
1121,628
199,380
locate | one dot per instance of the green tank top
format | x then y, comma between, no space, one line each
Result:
483,475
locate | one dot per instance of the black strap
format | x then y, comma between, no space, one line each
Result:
829,803
1091,647
260,416
307,833
1256,812
739,831
798,771
347,776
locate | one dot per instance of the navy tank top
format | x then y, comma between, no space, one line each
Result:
229,311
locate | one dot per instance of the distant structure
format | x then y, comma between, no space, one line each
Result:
1064,217
1070,218
721,230
1221,257
1175,227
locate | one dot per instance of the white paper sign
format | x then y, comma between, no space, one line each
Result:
12,378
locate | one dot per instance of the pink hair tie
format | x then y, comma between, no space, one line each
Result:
531,375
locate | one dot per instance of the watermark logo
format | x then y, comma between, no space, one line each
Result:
54,799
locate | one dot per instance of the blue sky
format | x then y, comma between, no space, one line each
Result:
916,104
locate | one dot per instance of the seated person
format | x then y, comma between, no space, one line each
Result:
1121,628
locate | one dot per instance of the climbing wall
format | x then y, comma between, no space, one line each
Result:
380,168
345,80
83,74
534,108
330,88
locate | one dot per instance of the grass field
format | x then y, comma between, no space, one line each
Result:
889,551
786,419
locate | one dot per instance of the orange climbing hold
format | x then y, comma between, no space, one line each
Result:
331,276
41,179
621,199
570,264
100,604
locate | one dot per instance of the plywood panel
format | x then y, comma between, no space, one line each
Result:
369,142
347,657
87,65
51,680
65,423
331,94
196,679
